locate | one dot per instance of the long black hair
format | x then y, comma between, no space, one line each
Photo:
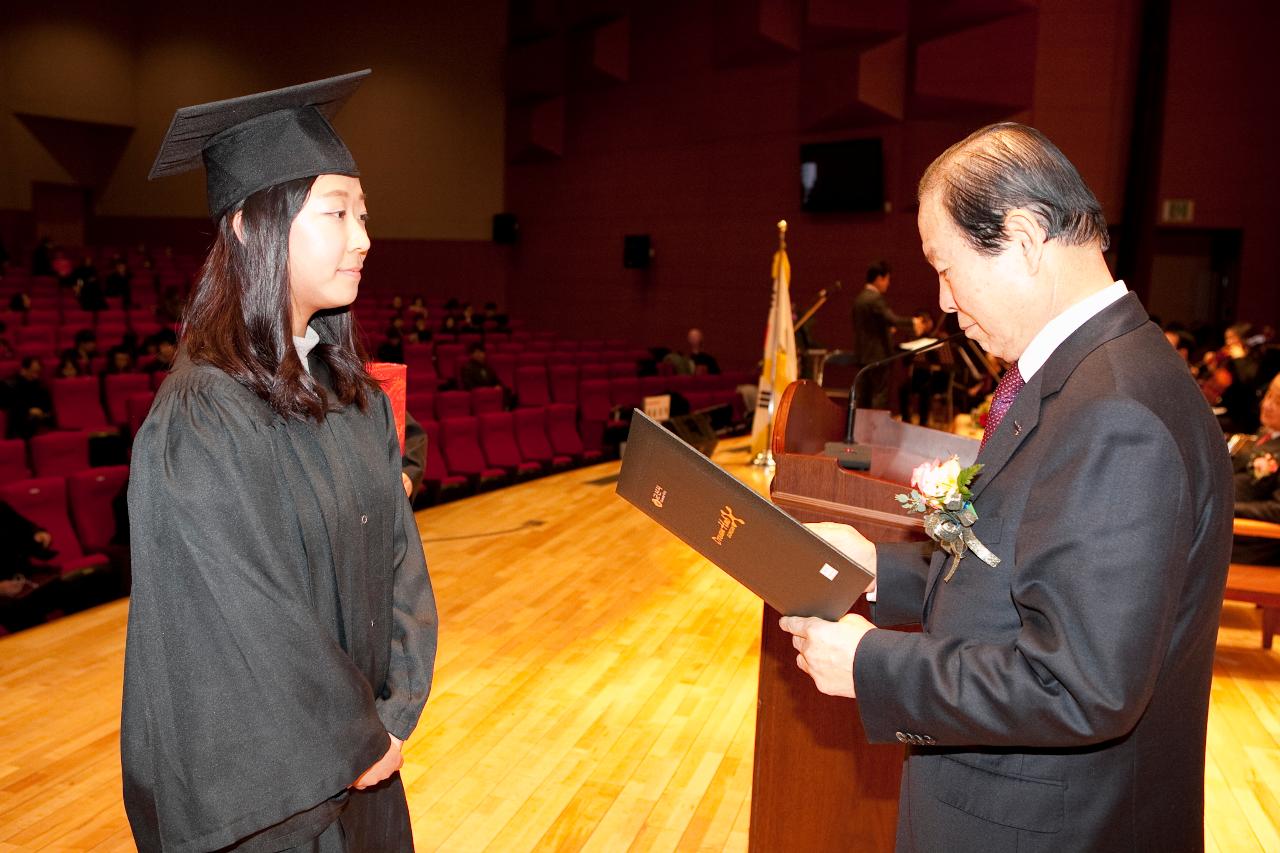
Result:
241,316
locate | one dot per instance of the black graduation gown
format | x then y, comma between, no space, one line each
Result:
281,623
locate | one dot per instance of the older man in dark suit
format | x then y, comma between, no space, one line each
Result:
1058,700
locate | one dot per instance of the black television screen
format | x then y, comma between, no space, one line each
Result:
843,176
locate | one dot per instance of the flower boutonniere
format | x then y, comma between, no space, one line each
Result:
940,492
1263,465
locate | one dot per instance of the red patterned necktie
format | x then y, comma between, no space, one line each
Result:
1010,384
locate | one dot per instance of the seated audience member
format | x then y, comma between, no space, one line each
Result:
42,257
120,281
119,360
451,326
20,302
68,367
492,315
27,400
82,353
1257,482
6,346
166,344
696,361
477,373
421,331
171,305
392,349
396,304
23,600
417,308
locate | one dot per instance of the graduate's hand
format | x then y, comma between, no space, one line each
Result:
388,764
827,649
407,483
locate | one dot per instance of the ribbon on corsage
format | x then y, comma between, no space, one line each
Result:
940,492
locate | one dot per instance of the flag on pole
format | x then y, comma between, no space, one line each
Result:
780,367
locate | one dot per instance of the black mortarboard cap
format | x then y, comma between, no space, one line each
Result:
257,141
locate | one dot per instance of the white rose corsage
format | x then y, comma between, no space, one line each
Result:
940,492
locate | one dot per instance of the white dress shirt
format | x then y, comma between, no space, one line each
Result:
1061,327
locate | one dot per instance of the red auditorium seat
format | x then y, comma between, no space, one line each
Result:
521,335
503,364
624,392
621,369
76,404
594,345
497,436
531,386
46,317
76,319
117,387
43,335
653,386
593,371
615,343
13,460
422,405
559,357
562,430
110,335
44,501
453,404
56,454
505,346
566,346
564,383
460,443
137,406
436,475
485,400
92,495
447,360
531,436
537,358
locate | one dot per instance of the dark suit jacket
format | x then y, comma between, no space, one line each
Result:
873,320
1058,702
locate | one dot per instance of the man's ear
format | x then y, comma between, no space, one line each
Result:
237,224
1026,236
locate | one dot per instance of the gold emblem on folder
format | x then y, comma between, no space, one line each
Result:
659,496
728,524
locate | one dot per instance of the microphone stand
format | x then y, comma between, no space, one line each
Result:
857,457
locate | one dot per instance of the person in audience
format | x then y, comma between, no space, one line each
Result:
418,308
26,596
68,367
396,326
1057,696
396,304
171,305
20,302
450,326
42,257
119,360
120,282
476,372
493,316
6,346
27,400
1256,467
81,354
421,331
695,361
282,628
166,344
392,349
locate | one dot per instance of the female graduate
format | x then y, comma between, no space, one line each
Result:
282,628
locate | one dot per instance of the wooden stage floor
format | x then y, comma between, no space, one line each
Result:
595,691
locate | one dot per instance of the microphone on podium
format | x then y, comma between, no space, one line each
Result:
857,457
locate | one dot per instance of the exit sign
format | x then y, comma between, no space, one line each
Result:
1177,210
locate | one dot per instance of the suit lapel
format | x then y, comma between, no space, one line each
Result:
1121,317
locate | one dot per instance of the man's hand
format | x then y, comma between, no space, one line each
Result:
827,649
407,483
388,764
44,538
11,588
849,542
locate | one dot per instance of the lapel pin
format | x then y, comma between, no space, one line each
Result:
1017,428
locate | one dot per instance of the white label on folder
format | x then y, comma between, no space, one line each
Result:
828,571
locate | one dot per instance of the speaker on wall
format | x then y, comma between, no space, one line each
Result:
637,251
506,228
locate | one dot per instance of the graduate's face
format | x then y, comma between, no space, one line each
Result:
327,246
993,297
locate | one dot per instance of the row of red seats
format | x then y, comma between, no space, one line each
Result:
78,510
497,448
102,404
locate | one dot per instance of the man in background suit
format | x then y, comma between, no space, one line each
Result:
873,325
1057,701
1256,466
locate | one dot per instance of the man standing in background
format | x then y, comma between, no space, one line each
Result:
873,325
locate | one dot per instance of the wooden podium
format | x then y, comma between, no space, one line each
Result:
817,784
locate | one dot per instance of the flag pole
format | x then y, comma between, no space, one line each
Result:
765,458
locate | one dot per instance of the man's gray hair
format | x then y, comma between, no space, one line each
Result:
1007,166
